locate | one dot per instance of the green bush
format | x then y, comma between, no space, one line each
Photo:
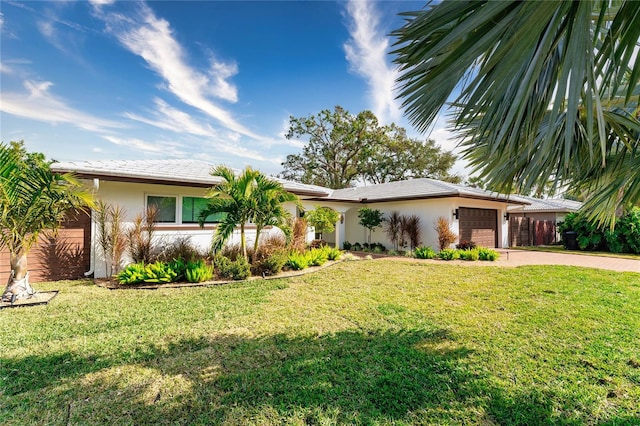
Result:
488,254
346,245
466,245
179,266
198,271
469,254
333,253
624,238
317,257
424,253
297,261
132,274
159,272
240,269
449,254
270,265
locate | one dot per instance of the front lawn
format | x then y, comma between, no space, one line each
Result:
366,342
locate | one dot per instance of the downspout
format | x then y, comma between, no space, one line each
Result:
92,256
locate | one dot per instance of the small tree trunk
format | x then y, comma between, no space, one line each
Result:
243,242
18,286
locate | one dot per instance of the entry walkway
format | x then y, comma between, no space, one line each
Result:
510,257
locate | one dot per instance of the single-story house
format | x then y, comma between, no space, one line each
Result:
179,187
536,223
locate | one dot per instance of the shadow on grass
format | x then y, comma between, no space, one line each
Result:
344,378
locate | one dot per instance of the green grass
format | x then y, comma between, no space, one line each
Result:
561,249
372,342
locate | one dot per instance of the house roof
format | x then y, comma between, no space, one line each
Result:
414,189
166,172
550,205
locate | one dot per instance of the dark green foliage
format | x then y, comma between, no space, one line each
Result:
424,253
271,264
238,269
357,247
346,245
198,271
179,266
624,238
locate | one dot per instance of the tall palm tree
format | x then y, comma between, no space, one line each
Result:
33,200
541,90
232,197
249,196
269,198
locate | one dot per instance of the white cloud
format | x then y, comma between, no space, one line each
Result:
168,118
152,39
366,53
39,104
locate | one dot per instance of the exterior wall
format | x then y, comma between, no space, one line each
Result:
428,210
132,197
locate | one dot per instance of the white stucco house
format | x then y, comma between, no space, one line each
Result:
178,188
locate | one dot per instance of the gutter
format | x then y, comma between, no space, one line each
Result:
92,255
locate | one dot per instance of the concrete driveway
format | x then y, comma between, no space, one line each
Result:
524,257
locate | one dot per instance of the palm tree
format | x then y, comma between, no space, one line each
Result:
542,90
247,197
269,198
33,200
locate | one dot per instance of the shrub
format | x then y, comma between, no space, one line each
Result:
357,247
132,274
317,257
159,272
179,249
333,253
392,228
469,254
393,252
424,253
179,266
445,235
297,261
140,236
198,271
411,228
222,265
488,254
466,245
240,269
346,245
299,238
270,265
449,254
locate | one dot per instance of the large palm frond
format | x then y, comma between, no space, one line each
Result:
535,83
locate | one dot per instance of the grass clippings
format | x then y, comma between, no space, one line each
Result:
378,342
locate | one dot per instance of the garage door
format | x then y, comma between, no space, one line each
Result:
479,226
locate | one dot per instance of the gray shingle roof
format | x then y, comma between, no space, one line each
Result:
559,205
171,172
416,189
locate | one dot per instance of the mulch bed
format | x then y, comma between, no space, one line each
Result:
40,298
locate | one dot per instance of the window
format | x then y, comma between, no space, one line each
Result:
166,207
191,208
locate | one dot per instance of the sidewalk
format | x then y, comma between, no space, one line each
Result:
524,257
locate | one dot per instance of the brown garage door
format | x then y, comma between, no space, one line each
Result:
479,226
65,257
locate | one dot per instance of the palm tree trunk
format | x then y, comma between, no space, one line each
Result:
243,242
256,242
18,286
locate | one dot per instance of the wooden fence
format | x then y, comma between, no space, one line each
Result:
67,256
527,231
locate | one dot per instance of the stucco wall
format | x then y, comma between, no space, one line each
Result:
428,210
132,197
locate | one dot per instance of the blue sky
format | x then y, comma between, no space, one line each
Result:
212,80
